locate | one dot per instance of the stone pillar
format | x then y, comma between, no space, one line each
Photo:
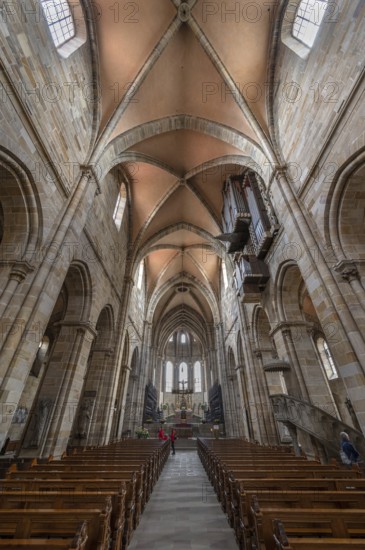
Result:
349,350
295,380
116,418
256,405
222,378
18,348
101,383
247,427
349,273
63,384
144,372
119,414
270,425
18,273
160,374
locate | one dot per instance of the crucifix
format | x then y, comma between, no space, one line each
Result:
183,382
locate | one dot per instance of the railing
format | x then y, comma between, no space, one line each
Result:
315,421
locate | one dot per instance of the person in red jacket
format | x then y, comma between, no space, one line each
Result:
173,438
161,434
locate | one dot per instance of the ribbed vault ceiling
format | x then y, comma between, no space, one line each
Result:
184,98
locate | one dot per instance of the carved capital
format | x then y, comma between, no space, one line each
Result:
125,367
89,171
281,170
277,365
348,270
20,270
80,327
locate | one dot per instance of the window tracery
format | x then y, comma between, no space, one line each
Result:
308,20
60,21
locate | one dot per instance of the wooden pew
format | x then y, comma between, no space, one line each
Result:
85,480
124,472
146,478
107,468
78,542
136,495
304,522
244,520
71,500
283,542
33,523
224,487
240,470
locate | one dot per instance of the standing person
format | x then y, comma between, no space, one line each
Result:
161,434
173,438
348,448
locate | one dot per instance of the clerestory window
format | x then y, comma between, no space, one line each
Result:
169,376
140,275
60,21
197,377
308,20
326,358
120,206
224,273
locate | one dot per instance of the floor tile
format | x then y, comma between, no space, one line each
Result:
183,512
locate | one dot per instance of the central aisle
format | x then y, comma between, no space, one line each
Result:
183,512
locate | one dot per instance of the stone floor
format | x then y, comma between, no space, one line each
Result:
183,511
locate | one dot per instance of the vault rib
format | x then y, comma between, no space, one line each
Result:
236,92
135,85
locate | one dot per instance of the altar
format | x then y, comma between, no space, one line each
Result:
184,431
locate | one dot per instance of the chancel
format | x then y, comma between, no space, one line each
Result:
182,247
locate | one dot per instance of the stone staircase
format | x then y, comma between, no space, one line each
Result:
325,428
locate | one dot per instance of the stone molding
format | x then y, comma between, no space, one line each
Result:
347,269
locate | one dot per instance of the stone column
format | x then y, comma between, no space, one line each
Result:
102,384
349,351
63,386
247,428
118,416
118,371
295,381
18,347
144,372
222,378
270,426
53,268
255,403
160,373
349,273
18,273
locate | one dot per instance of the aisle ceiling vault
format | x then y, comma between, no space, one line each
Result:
178,105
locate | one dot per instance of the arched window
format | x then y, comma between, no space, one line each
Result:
60,21
326,358
308,19
224,274
40,357
183,372
120,206
183,338
169,376
197,377
140,275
